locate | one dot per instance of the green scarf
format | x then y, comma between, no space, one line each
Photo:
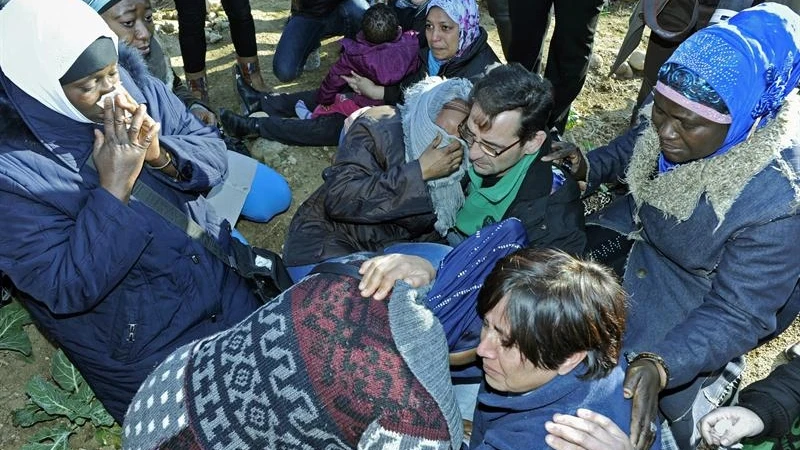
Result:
486,205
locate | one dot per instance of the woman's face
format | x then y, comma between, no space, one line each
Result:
132,22
506,369
683,134
84,93
449,119
442,34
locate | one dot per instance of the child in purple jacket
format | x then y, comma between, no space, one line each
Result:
381,51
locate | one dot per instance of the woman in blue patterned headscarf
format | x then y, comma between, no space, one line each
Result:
728,77
713,177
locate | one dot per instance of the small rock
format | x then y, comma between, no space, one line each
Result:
595,62
636,60
212,37
291,160
169,14
168,26
212,15
221,25
624,71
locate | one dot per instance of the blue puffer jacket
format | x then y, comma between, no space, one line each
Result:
714,267
116,286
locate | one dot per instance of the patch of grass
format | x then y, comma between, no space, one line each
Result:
67,401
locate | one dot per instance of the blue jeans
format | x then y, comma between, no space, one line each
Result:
302,34
269,195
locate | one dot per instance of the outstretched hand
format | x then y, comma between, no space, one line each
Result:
363,86
728,425
438,162
569,155
587,430
380,273
642,384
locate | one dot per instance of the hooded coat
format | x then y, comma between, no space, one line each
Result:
116,286
713,270
384,63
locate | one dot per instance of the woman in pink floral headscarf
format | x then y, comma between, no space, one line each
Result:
457,47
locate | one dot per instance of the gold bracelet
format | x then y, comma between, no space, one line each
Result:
169,161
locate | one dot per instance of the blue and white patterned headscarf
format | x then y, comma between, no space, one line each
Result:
454,295
465,14
752,62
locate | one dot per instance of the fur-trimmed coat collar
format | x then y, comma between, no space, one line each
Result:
13,127
721,178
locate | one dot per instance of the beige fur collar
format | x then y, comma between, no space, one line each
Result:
721,178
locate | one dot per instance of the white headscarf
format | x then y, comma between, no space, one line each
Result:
39,42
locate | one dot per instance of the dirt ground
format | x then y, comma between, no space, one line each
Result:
602,111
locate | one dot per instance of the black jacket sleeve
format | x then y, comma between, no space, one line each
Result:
775,399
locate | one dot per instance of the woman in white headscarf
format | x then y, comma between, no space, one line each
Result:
107,278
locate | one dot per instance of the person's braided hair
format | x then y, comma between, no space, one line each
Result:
380,23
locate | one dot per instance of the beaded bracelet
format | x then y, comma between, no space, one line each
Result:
633,357
169,161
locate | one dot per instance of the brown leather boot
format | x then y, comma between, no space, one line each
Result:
198,85
251,72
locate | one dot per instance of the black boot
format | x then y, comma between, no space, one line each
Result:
249,98
236,125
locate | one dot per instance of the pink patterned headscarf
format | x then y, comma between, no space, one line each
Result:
465,14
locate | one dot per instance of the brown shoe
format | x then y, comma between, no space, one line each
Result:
198,85
251,72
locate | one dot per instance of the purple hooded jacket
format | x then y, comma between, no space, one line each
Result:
385,64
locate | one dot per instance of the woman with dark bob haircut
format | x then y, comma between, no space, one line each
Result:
550,343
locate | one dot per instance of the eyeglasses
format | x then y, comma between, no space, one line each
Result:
469,137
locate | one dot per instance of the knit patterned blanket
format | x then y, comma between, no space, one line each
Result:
317,368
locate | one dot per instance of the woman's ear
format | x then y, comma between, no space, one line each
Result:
533,145
571,362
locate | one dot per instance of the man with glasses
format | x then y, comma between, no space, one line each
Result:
505,133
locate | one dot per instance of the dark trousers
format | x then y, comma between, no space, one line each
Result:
570,47
283,126
301,35
498,9
191,30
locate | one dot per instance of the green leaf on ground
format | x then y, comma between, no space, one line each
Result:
84,394
50,398
28,415
109,436
99,416
52,438
12,336
64,373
